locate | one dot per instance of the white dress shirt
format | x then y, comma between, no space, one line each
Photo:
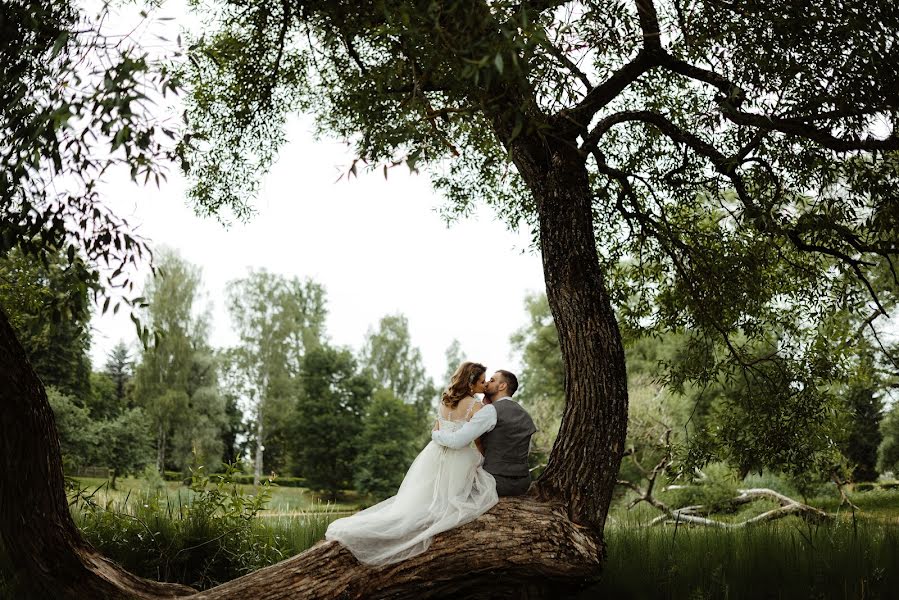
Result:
483,421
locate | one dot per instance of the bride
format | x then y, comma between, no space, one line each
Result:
443,488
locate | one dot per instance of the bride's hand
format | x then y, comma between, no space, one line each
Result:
436,424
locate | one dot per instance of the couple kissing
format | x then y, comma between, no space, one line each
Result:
478,452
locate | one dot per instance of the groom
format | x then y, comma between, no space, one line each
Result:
505,430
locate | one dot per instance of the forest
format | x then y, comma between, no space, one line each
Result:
710,187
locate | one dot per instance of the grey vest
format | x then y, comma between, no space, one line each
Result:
506,446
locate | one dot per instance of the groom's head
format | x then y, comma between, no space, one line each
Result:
501,384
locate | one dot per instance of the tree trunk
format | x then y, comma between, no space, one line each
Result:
257,470
160,449
40,537
521,548
584,462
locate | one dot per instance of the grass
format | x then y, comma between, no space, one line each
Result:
202,540
854,557
784,559
284,500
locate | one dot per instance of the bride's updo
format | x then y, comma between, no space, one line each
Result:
460,385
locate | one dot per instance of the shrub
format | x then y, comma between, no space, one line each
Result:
714,491
203,540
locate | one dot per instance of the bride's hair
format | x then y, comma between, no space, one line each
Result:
460,385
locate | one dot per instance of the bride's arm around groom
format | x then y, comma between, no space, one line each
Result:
481,422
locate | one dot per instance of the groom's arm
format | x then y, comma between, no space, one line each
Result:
483,421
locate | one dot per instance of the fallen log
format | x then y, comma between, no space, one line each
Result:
788,507
521,548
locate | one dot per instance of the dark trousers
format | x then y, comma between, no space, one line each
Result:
512,486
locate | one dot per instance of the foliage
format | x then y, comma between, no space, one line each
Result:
78,436
278,321
888,452
124,443
75,103
742,179
387,445
47,304
176,380
329,418
209,539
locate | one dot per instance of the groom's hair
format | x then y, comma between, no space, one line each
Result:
511,381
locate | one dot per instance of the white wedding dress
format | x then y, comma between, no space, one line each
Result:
444,488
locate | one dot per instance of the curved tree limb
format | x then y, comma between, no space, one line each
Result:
518,545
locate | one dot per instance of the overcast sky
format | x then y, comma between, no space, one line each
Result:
378,247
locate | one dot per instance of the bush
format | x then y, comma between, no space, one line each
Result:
281,481
715,491
864,487
175,476
206,539
241,478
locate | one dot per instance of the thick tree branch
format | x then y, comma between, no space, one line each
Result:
577,119
649,24
733,96
518,544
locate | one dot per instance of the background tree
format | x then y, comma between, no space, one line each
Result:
454,358
175,380
78,436
197,439
49,307
232,448
542,377
111,388
120,369
864,412
278,321
888,452
125,443
329,418
396,365
388,443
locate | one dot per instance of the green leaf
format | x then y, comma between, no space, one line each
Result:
498,62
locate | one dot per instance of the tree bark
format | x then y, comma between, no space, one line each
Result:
40,537
521,548
584,462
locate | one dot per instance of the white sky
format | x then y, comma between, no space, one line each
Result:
378,247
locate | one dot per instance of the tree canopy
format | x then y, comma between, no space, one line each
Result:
741,161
